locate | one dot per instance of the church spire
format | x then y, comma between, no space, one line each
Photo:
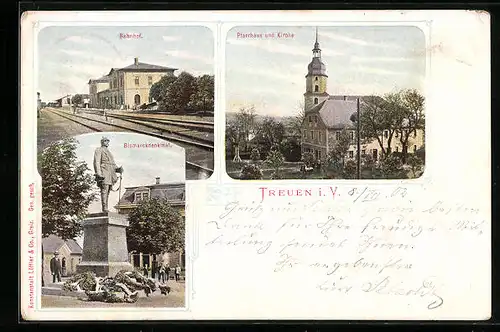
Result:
316,50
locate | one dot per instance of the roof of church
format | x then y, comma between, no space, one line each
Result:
173,192
336,114
53,243
316,67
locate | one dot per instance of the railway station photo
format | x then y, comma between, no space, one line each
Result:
156,81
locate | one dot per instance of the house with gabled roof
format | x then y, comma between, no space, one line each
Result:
126,87
70,253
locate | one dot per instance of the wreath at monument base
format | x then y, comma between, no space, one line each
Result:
123,287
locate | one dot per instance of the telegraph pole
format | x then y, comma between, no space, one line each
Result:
358,152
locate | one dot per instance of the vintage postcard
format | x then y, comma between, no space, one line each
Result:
322,165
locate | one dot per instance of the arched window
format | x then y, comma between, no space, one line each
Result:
316,88
315,78
315,100
137,99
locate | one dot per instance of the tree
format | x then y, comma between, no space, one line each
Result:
155,227
275,160
235,135
379,117
251,172
341,147
178,93
159,89
203,96
290,148
67,191
270,133
246,117
295,123
77,99
410,118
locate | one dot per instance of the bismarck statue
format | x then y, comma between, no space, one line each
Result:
105,251
105,171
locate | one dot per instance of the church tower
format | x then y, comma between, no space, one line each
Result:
315,79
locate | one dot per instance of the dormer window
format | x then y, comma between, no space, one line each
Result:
141,196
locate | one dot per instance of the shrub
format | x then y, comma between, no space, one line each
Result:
251,172
308,159
255,154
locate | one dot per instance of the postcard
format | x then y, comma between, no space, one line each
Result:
320,165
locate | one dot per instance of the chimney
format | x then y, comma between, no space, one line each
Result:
136,61
158,180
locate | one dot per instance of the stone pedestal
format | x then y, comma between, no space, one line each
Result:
104,244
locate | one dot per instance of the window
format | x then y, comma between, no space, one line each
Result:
140,196
319,154
316,78
363,152
337,135
316,88
310,119
320,136
137,80
315,119
116,100
315,100
312,134
386,133
351,154
352,135
121,80
414,148
397,148
150,80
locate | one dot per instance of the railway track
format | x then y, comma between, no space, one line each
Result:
182,142
162,126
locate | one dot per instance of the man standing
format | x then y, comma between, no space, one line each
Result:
105,171
55,267
177,273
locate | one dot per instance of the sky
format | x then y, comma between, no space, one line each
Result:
269,73
69,56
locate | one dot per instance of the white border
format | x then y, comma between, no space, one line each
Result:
222,20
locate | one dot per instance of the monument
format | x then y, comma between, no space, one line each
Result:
104,234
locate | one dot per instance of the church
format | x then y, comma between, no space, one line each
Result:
327,115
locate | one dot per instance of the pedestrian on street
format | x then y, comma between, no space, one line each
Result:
167,272
55,267
154,268
161,275
177,273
